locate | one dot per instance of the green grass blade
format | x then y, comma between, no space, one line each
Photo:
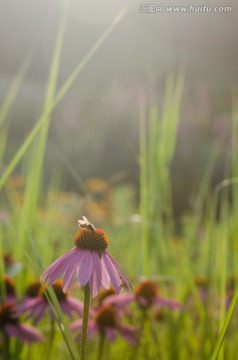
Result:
37,156
53,301
3,142
234,156
71,79
43,118
11,95
22,150
222,335
158,136
144,189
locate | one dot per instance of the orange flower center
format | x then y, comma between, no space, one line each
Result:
96,240
146,290
201,282
7,315
159,315
8,260
104,294
57,287
106,317
9,285
33,289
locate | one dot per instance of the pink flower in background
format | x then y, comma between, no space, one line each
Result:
104,297
90,261
36,307
145,295
106,322
104,294
10,325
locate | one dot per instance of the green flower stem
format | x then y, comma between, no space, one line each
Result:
101,346
6,347
86,303
51,338
140,344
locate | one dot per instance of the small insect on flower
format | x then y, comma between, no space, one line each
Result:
85,224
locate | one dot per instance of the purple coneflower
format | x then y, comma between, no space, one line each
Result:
35,303
103,298
11,327
90,260
103,295
106,323
146,294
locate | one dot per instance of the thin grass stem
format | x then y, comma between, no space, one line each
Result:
222,335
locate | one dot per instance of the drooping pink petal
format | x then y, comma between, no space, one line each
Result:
142,301
120,300
70,306
31,334
120,270
44,306
58,261
171,304
75,305
66,309
92,328
112,272
58,267
71,270
85,267
26,333
105,276
110,333
25,306
76,325
95,281
34,308
129,333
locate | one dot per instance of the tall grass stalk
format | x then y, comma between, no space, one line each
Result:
218,351
143,188
234,154
157,145
3,142
8,102
34,173
58,315
61,93
222,335
36,159
13,90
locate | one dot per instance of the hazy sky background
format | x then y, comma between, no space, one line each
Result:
205,43
98,118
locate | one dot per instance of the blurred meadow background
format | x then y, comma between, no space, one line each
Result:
130,119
